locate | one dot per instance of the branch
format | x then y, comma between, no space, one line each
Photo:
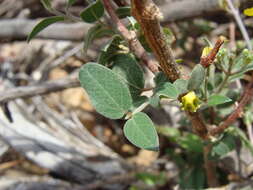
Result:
148,15
240,24
20,28
42,88
177,10
131,38
209,59
245,99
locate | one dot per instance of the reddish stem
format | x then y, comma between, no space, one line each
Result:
131,38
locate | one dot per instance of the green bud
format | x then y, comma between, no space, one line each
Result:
247,56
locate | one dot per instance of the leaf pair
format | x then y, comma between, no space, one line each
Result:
111,97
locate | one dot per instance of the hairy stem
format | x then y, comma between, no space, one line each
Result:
148,16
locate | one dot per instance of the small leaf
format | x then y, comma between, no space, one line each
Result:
127,67
224,146
181,85
138,101
94,32
140,131
197,77
160,79
123,12
43,24
217,99
108,93
168,90
154,101
93,12
110,50
191,143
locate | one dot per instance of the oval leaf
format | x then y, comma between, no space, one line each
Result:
110,50
217,99
181,85
108,93
140,131
93,12
197,77
168,90
224,146
43,24
126,67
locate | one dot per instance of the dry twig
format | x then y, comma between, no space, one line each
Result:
39,89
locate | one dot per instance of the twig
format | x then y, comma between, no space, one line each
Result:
39,89
239,21
45,68
209,59
210,167
246,97
131,38
198,124
20,28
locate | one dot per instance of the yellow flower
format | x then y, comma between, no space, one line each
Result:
248,12
206,51
190,102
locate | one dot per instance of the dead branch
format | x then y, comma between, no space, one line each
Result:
172,10
20,28
38,89
176,10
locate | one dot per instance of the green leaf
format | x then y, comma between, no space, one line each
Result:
138,101
170,132
43,24
181,85
71,2
192,178
94,32
123,12
197,77
140,131
154,101
108,93
160,79
217,99
110,50
93,12
46,4
127,67
191,143
164,88
168,90
224,146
